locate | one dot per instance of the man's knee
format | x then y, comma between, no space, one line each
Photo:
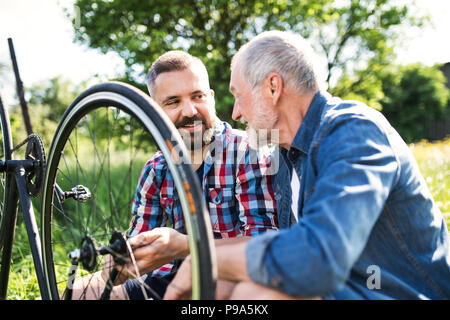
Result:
254,291
91,288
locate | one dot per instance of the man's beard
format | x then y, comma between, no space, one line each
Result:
199,138
260,132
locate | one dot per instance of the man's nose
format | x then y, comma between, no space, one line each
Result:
236,112
189,109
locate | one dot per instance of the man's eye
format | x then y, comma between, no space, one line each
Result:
199,96
172,103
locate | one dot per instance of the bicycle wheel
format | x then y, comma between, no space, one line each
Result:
8,201
102,143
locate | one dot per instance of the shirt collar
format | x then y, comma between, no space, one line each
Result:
310,123
218,142
219,139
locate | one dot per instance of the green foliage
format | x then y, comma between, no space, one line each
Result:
56,93
434,163
140,31
40,119
23,283
414,95
411,97
365,86
47,101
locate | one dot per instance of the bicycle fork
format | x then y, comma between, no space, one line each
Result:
7,235
18,191
32,230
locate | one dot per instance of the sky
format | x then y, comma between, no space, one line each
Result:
43,41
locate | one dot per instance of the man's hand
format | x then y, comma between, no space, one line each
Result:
151,249
181,286
230,257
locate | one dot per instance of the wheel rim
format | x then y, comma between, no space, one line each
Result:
5,154
5,181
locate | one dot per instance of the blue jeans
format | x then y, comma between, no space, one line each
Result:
155,287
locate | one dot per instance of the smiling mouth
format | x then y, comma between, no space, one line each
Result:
192,126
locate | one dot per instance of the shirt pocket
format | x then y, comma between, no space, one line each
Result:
221,205
166,204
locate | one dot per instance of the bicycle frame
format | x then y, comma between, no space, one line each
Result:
18,191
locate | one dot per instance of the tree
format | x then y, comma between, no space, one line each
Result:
50,99
347,33
47,101
414,96
55,93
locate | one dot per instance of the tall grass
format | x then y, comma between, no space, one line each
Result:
108,207
433,160
434,163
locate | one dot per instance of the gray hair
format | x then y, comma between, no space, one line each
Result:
289,55
174,60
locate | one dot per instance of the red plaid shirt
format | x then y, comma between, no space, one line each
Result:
236,185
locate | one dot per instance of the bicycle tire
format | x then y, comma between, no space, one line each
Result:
8,202
132,102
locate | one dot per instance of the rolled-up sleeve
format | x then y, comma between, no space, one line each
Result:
355,169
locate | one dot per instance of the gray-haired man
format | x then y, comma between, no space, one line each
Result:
357,219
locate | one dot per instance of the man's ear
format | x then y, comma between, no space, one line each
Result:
274,87
212,93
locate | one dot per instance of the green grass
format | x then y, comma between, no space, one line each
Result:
433,160
434,163
23,283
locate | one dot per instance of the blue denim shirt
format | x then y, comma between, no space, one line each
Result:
368,227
